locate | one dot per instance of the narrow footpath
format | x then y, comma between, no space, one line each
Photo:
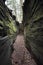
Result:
21,55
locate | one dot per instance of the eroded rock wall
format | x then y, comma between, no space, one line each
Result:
7,30
33,22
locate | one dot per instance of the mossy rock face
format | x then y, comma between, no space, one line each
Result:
8,31
34,27
7,24
34,38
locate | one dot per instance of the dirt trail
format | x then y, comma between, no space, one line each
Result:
21,55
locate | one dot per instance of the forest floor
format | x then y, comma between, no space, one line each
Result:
21,55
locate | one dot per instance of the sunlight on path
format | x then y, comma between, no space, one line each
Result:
21,55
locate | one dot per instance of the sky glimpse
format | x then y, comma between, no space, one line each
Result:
16,7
